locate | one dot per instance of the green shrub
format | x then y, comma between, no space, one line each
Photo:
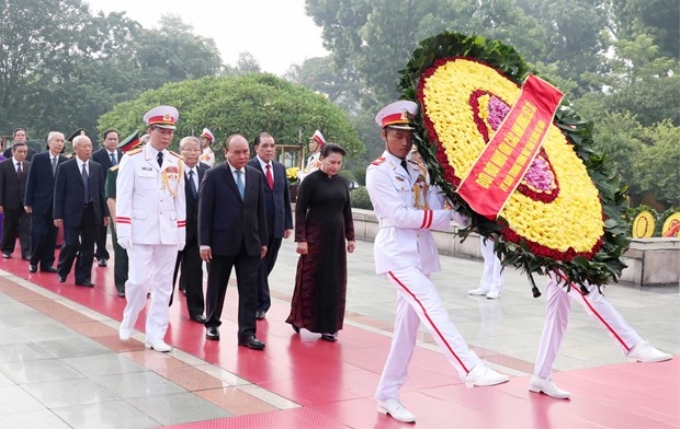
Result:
360,199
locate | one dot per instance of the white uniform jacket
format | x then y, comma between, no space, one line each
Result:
150,202
207,157
406,210
312,165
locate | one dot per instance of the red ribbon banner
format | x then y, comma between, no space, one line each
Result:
503,163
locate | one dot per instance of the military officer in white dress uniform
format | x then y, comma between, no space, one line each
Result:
151,220
316,142
207,156
558,307
406,254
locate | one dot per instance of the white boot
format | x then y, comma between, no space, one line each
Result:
393,408
643,352
546,385
482,375
158,345
493,294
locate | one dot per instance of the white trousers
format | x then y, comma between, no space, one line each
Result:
418,301
150,269
557,311
492,279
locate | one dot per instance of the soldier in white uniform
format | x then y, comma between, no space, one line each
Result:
406,254
151,220
557,309
492,277
207,156
316,142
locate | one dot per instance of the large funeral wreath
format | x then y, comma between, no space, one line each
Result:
569,213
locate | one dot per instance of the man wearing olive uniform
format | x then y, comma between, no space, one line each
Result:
150,222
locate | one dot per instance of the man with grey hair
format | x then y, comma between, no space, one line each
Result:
189,258
79,207
38,202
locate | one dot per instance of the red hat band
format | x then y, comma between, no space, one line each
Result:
161,120
395,119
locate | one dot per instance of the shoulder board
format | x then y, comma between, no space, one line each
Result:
115,167
378,161
412,162
134,151
175,154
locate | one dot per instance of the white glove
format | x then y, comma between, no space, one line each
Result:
125,242
460,218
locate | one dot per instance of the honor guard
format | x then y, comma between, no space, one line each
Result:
406,255
207,155
316,142
150,222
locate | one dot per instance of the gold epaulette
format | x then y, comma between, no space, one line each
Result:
176,154
114,168
378,161
134,151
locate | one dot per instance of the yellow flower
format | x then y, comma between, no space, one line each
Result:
573,219
291,173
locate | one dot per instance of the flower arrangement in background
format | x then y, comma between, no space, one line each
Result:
568,212
291,173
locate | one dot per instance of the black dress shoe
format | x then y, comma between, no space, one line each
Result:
26,258
6,255
252,343
102,262
259,314
212,333
329,337
61,279
85,284
48,270
32,268
296,328
121,294
199,318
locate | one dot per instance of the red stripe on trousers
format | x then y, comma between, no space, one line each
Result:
578,289
422,307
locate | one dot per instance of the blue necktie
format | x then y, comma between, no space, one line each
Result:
239,185
113,159
192,185
86,182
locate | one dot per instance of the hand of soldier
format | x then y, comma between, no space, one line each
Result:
125,242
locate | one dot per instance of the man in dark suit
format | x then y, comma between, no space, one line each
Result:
79,205
107,157
13,173
233,232
38,202
189,259
279,215
19,136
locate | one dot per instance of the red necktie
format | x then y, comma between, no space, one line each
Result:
270,178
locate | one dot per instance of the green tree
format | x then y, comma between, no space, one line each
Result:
244,104
61,67
656,167
657,18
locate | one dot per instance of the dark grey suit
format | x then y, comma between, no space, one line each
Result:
235,229
279,219
80,214
16,221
